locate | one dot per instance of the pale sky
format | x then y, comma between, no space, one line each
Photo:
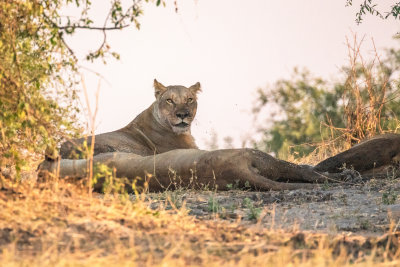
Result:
231,47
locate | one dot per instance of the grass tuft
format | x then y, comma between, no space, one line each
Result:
58,224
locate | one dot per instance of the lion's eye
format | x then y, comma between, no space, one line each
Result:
190,100
169,101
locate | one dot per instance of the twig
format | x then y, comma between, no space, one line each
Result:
92,120
91,28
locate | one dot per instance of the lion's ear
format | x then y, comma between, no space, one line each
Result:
158,88
195,88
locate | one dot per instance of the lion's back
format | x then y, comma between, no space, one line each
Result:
116,141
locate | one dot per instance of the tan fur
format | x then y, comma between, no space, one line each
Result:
245,167
162,127
370,156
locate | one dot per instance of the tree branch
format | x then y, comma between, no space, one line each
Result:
91,28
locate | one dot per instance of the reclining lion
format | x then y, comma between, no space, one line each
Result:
157,147
162,127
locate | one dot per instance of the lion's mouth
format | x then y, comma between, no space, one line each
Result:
182,124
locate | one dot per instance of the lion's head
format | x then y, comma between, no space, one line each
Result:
176,106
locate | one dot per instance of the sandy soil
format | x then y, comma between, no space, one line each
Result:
330,208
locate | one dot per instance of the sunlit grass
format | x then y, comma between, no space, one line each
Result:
59,224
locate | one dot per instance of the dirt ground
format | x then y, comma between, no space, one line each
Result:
42,224
330,208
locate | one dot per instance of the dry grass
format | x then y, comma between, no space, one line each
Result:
367,92
59,224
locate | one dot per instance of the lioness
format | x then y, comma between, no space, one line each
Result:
164,126
164,129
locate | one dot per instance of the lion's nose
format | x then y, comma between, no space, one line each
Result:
182,114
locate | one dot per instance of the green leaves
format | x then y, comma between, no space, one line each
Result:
38,70
308,110
30,54
368,6
302,103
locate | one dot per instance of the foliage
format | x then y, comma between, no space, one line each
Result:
309,110
213,205
370,95
38,71
370,6
302,102
35,99
253,213
389,197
